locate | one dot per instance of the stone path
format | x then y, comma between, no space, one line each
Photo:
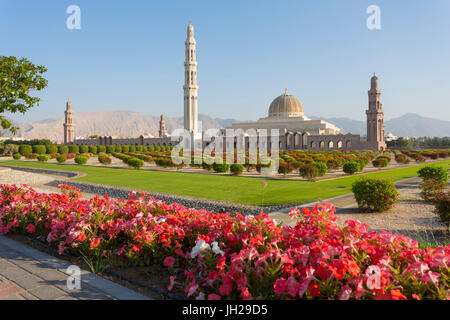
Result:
28,274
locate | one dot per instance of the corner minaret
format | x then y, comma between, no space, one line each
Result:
375,118
162,127
69,132
190,83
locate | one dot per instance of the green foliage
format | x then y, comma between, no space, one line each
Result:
83,149
139,148
221,167
309,171
135,163
17,78
103,158
93,149
431,188
351,167
285,168
110,149
433,172
101,149
380,162
322,167
375,194
442,207
52,149
43,157
17,156
401,158
61,158
81,159
237,169
126,148
25,149
119,149
132,148
40,149
63,149
74,149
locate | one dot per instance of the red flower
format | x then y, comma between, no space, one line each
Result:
95,242
81,237
31,228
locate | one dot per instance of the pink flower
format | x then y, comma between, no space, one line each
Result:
169,261
292,286
279,286
213,296
172,282
432,277
191,288
345,293
226,287
31,228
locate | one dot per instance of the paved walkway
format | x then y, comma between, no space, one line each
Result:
28,274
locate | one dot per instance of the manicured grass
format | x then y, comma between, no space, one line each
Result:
228,188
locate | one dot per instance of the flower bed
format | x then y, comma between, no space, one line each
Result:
219,256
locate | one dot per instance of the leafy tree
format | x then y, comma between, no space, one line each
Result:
17,78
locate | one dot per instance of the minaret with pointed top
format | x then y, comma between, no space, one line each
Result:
162,127
69,132
375,117
190,82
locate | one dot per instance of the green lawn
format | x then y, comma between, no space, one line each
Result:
228,188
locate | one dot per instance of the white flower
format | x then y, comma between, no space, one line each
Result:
275,221
216,249
200,246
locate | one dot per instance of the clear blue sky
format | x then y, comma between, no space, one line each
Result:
129,55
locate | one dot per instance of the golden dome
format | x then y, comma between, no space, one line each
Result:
286,105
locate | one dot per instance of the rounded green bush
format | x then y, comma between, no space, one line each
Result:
52,149
433,172
308,171
40,149
118,148
221,167
322,167
126,148
93,149
17,156
236,168
350,167
74,149
135,163
61,158
132,148
83,149
375,194
81,159
103,158
63,149
380,162
110,149
285,168
25,149
43,157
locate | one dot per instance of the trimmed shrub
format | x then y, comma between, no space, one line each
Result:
61,158
74,149
93,149
285,168
43,157
322,167
442,207
125,148
206,166
132,148
101,149
110,149
52,149
25,149
81,159
10,149
40,149
350,167
380,162
221,167
433,172
431,188
375,194
83,149
63,149
118,148
139,148
17,156
103,158
309,171
401,158
135,163
236,168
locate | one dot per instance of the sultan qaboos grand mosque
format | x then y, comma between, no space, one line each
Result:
286,113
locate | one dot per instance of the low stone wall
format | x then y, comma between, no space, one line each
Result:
67,174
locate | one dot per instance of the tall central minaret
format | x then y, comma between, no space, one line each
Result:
190,83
